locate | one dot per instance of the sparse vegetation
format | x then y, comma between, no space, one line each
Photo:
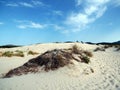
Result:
1,54
99,49
106,46
11,53
52,60
85,59
118,49
75,49
88,53
19,53
32,53
7,54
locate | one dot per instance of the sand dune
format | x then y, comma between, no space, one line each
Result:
106,66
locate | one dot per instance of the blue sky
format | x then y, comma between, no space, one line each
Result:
24,22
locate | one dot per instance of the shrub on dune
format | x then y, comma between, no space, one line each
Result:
118,49
19,53
32,53
1,54
85,59
75,49
51,60
11,53
99,49
7,54
88,53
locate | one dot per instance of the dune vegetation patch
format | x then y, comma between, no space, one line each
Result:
13,53
32,53
17,53
99,49
52,60
104,47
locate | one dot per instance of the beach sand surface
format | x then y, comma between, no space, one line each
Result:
106,66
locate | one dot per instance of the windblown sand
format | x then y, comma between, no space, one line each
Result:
106,66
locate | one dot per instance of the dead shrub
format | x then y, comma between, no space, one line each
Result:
75,49
88,53
51,60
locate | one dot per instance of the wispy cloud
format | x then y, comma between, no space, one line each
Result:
35,2
25,4
56,12
29,24
12,4
78,2
93,9
30,4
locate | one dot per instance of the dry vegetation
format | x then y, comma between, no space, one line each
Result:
52,60
117,47
32,53
99,49
11,53
1,54
88,53
16,53
7,54
103,48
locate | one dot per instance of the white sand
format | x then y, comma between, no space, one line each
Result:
106,76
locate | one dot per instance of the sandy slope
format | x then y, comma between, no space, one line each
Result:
106,76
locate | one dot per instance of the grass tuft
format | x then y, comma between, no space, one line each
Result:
99,49
19,53
75,49
32,53
7,54
85,59
88,53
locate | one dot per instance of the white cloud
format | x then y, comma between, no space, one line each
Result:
35,2
30,4
12,4
36,25
92,10
56,12
78,2
57,27
29,24
26,4
22,26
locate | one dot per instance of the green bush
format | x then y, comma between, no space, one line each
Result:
19,54
85,59
11,53
32,53
8,54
